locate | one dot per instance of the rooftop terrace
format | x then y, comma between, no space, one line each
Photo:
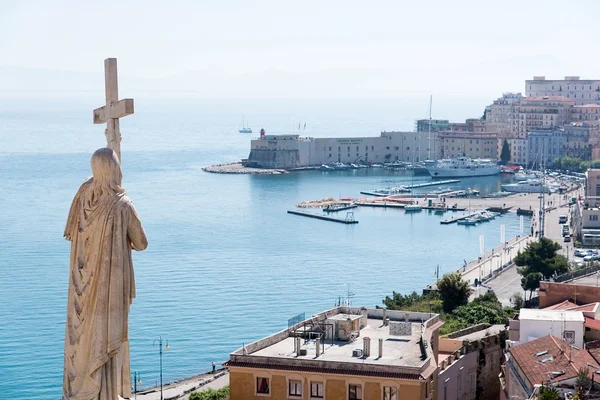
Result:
359,341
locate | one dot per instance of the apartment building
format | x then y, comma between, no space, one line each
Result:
473,145
342,354
540,112
580,91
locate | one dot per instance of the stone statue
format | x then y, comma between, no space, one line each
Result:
103,227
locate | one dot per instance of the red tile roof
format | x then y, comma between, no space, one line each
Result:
317,370
592,323
564,305
560,357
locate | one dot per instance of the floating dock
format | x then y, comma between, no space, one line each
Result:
432,183
339,208
460,217
324,217
382,205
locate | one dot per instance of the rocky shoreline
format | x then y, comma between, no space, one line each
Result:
238,168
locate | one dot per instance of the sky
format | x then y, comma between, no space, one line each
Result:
304,49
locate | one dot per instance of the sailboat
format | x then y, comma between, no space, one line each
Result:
244,129
413,207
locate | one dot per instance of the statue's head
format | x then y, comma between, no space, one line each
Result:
106,171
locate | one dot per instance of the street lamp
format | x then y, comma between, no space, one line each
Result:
160,351
137,380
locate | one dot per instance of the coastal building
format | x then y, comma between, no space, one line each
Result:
540,112
500,118
586,112
548,360
469,363
437,125
586,214
544,146
341,354
534,323
576,141
580,91
292,151
519,150
456,144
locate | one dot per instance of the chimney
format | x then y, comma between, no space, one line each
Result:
364,315
380,348
384,316
297,346
318,347
366,347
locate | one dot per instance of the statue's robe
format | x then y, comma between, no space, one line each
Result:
101,289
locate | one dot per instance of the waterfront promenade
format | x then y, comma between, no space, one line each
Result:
181,390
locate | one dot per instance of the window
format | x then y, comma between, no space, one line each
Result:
408,148
396,148
316,390
295,388
329,148
329,155
387,147
459,383
593,218
262,385
390,393
354,392
473,382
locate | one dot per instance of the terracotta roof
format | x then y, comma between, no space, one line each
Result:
564,305
585,307
559,357
592,323
318,370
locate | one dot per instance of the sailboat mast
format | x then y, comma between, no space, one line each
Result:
429,147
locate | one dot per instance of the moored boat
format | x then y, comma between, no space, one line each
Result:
463,167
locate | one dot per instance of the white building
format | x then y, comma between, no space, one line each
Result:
580,91
291,151
567,325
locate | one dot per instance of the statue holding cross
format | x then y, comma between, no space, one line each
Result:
114,108
103,228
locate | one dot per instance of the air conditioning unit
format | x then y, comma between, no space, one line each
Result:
357,353
303,352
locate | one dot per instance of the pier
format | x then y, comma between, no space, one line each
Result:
347,220
456,219
432,183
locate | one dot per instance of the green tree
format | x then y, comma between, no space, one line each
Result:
211,394
505,154
517,300
454,291
548,393
531,282
540,256
398,301
479,313
583,380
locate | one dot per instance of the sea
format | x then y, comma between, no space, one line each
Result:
225,265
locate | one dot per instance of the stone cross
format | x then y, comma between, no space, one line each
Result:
114,108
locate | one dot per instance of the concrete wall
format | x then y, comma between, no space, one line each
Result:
551,293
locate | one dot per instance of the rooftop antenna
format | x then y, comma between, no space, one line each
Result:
349,295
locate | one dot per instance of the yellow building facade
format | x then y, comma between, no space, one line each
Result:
342,354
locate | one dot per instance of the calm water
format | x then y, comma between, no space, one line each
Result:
226,264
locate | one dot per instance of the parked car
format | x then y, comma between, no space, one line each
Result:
567,239
580,253
587,258
562,219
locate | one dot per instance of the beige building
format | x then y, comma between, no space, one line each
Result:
473,145
579,91
342,354
540,112
587,112
500,117
519,150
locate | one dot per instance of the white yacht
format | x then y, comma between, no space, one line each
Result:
528,186
524,176
462,167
